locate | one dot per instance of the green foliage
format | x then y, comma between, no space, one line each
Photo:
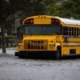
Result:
63,8
52,7
28,7
70,8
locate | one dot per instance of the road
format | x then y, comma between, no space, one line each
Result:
13,68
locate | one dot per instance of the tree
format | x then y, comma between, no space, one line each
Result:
69,8
10,7
63,8
51,7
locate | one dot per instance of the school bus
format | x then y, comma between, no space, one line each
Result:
53,34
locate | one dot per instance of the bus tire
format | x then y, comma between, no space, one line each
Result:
58,53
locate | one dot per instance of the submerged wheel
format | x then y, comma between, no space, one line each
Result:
58,53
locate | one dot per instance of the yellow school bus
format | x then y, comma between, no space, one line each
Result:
53,34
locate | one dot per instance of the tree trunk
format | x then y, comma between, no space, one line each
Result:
3,39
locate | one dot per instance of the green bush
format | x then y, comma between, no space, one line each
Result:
10,41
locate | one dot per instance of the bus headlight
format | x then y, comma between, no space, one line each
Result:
51,45
20,46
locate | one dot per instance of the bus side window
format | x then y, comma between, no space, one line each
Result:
79,32
70,31
73,32
65,30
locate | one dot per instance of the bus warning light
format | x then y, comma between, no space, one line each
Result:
56,21
29,21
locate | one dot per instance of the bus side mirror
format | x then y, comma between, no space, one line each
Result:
19,33
66,39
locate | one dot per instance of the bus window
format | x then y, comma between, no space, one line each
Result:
42,29
77,32
74,32
70,31
65,30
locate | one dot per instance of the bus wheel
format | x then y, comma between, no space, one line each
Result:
58,53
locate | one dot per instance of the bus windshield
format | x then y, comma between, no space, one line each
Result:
42,29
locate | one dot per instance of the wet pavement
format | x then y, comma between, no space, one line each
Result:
13,68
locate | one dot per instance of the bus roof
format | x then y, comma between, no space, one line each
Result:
69,21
